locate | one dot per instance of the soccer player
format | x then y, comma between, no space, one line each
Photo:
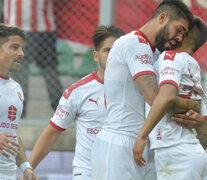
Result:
37,19
82,103
129,80
178,153
11,103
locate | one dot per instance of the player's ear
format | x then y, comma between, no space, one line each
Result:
95,56
163,18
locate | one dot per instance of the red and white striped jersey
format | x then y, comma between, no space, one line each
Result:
11,104
183,71
82,103
131,56
30,15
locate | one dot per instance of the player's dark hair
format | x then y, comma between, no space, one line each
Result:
198,34
175,9
103,32
9,30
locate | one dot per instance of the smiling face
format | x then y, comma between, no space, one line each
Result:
171,35
11,54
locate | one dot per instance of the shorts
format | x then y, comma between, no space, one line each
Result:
81,173
112,158
150,171
182,162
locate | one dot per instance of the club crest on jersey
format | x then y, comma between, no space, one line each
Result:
169,55
20,96
12,113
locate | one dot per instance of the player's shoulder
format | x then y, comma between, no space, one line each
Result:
83,84
132,37
172,55
137,38
14,83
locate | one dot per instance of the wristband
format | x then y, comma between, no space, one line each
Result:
24,166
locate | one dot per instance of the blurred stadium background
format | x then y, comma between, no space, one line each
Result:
75,21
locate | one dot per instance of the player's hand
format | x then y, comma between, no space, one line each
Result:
7,145
138,150
189,120
29,175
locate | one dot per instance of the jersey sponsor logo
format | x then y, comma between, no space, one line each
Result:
8,125
20,96
169,55
66,93
60,112
145,59
93,131
12,113
95,101
169,71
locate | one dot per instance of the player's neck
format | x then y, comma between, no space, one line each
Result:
186,48
147,30
100,73
3,72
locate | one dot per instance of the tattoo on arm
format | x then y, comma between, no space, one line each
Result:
21,156
151,82
182,105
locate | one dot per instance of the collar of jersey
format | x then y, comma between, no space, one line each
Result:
143,35
96,77
4,77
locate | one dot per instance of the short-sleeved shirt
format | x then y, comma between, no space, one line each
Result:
183,71
131,56
82,103
11,105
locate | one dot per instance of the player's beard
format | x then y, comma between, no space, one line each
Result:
161,38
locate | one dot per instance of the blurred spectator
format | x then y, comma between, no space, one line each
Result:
37,19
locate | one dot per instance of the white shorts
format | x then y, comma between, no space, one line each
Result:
81,173
150,171
182,162
112,158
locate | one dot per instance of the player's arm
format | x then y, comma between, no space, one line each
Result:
189,120
202,133
148,87
43,145
23,164
202,130
182,105
160,106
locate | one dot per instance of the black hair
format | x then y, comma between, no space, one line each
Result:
198,33
175,10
